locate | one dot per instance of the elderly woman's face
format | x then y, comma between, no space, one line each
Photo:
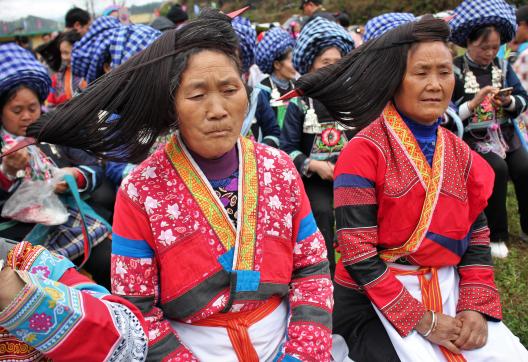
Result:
211,103
428,83
327,57
20,112
483,51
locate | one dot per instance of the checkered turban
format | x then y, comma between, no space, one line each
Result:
18,66
473,14
274,44
108,39
315,36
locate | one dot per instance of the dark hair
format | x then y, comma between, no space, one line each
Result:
343,19
522,14
284,54
357,88
21,39
71,37
50,52
177,15
121,114
11,93
76,15
483,33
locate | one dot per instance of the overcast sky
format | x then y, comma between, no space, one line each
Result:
52,9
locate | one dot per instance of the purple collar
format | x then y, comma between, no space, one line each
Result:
218,168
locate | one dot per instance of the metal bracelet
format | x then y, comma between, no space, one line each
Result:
432,327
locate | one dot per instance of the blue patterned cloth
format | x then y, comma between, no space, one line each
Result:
315,36
19,66
274,44
109,40
473,14
381,24
247,37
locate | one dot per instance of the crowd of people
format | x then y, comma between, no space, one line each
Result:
315,192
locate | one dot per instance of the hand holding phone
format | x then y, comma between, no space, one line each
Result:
503,97
504,92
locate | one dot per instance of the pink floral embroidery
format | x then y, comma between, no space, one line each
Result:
40,322
309,340
130,275
41,270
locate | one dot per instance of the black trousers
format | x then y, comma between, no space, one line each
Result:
98,264
355,319
321,196
514,167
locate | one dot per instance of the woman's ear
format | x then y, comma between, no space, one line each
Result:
276,65
248,91
106,68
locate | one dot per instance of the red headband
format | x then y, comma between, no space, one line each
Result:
239,12
291,94
20,145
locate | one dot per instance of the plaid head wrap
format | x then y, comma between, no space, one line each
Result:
381,24
473,14
19,66
108,39
247,36
274,43
317,35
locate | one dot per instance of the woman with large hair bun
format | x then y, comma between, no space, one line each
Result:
310,135
214,239
415,279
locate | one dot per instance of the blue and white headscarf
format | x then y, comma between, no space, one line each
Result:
274,44
18,66
315,36
381,24
473,14
108,39
247,37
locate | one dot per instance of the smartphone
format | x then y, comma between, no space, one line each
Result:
504,92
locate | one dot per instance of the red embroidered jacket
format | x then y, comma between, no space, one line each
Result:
168,260
61,315
378,200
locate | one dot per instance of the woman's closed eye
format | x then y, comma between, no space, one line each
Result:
230,91
196,97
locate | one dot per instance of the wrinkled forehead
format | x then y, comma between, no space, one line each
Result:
429,52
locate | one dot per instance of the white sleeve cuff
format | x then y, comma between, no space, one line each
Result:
511,107
464,112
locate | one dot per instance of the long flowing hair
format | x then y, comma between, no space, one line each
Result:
121,114
357,88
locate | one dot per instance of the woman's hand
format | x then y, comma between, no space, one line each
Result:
480,96
447,330
10,286
15,162
474,332
501,100
62,187
324,169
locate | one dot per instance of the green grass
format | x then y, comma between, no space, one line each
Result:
511,275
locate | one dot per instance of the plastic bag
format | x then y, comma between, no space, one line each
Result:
36,202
